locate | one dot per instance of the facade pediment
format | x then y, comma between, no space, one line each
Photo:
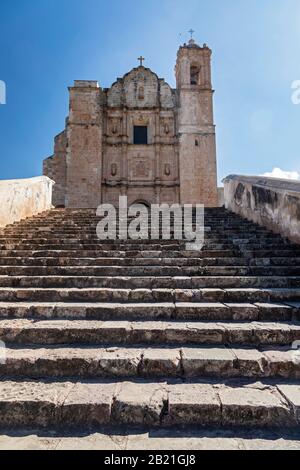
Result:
140,88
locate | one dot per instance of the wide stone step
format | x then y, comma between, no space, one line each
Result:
54,235
255,266
157,270
236,231
120,254
151,282
60,332
48,243
147,261
240,296
90,404
121,247
202,311
150,362
123,261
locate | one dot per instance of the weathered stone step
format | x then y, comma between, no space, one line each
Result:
120,253
228,218
219,225
270,253
93,218
151,282
124,261
130,246
39,236
55,229
166,250
60,332
90,232
150,362
239,296
264,263
203,311
149,270
74,405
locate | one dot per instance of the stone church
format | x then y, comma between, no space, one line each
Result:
139,138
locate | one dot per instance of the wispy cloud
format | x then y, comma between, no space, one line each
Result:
278,173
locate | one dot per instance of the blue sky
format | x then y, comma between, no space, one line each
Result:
46,44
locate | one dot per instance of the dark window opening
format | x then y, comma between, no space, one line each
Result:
195,73
140,135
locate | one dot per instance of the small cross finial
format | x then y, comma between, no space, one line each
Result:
191,31
141,59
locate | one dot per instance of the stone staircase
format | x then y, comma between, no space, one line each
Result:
145,332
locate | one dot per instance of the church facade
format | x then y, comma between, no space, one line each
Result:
140,139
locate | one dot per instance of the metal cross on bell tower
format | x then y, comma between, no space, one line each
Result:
191,31
141,59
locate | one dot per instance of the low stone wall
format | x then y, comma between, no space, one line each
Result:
271,202
221,201
24,198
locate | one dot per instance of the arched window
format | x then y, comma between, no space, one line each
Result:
195,75
142,202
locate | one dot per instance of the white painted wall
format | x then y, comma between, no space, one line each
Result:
24,198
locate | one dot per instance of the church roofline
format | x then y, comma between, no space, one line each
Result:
193,45
135,69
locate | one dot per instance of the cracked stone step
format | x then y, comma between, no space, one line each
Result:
136,254
61,332
218,405
89,237
89,243
238,296
158,270
152,282
180,311
87,246
149,261
150,362
73,405
123,261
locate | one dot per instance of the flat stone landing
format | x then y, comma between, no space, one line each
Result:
113,439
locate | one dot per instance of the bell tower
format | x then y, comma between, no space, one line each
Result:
196,129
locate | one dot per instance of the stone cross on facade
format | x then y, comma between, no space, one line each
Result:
141,59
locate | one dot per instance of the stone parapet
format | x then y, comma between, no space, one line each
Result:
270,202
24,198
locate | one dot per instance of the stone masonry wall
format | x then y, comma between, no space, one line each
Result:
197,149
55,168
84,151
